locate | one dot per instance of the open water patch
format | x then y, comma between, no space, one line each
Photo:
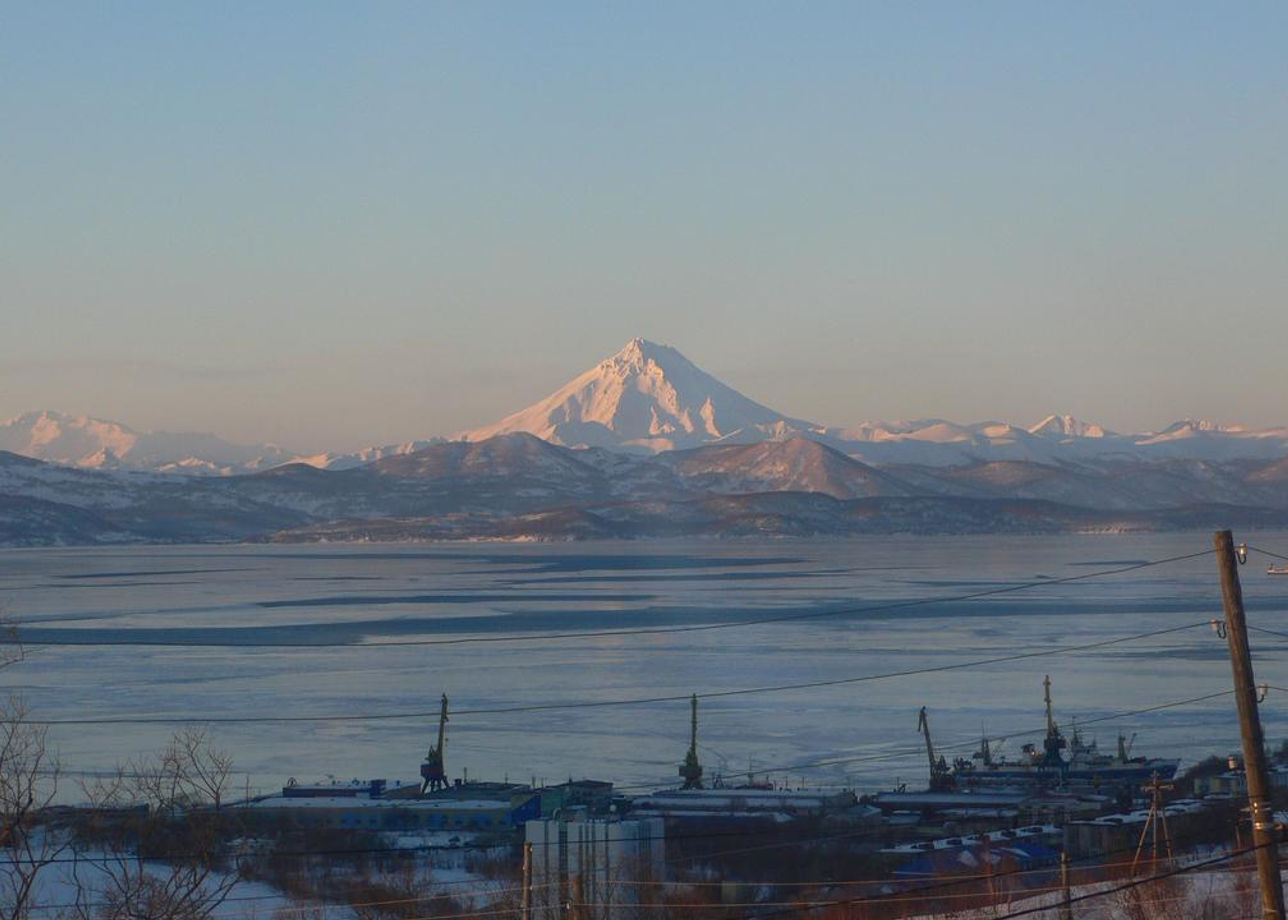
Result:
371,600
636,563
147,573
526,625
519,562
1110,563
338,578
120,584
668,577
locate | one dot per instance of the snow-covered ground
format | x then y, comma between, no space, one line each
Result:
84,878
1208,887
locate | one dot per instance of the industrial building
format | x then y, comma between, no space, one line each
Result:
1234,781
603,865
776,805
1120,833
469,807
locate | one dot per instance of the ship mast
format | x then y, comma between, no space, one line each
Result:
985,754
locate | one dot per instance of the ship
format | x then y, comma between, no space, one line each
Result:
1060,762
1277,570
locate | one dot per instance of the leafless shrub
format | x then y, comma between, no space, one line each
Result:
188,773
12,650
28,783
1155,899
155,838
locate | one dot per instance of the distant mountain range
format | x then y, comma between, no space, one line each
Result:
643,444
649,398
100,444
517,486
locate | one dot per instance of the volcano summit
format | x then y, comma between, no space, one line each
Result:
647,397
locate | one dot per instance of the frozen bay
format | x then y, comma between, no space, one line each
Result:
253,631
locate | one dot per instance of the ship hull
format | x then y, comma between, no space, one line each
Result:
1001,774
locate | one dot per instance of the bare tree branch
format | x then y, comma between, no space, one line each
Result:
28,784
159,846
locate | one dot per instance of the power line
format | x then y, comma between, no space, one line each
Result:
825,762
386,850
1136,883
1045,907
481,884
643,631
1266,552
919,891
1268,632
920,750
600,704
912,894
77,858
238,809
483,888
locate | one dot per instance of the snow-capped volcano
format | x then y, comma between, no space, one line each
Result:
645,397
649,398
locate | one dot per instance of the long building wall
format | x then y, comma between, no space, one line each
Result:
593,863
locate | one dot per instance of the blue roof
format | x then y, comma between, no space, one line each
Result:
970,859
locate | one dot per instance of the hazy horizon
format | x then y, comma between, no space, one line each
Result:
330,227
1023,423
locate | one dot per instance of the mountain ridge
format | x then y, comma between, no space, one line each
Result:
516,486
649,399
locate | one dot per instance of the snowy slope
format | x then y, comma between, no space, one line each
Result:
648,399
794,465
517,486
349,461
645,397
1066,426
92,443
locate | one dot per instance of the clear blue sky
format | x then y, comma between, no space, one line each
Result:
338,224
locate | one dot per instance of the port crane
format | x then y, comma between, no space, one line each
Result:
691,770
433,773
941,778
1054,742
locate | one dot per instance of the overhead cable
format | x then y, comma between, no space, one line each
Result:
601,704
642,631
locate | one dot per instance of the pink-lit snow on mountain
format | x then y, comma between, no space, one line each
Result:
94,443
645,397
1066,426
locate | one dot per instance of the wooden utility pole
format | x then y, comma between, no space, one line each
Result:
525,910
1254,753
1157,815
